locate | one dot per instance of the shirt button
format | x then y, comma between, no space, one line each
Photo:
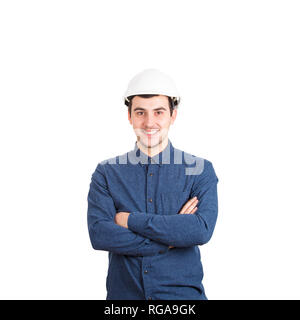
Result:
151,174
150,200
146,271
149,298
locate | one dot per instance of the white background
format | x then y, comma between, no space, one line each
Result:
64,68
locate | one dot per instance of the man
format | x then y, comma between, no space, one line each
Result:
151,207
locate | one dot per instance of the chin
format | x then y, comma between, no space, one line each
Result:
151,144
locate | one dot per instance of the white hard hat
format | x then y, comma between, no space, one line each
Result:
152,81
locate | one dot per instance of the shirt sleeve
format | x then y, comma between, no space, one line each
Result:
184,230
104,233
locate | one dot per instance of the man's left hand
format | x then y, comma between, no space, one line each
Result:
121,219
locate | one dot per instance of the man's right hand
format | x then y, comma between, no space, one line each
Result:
189,208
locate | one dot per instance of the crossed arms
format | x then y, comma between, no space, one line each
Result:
121,218
143,234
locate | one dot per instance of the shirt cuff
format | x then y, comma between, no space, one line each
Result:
136,221
158,247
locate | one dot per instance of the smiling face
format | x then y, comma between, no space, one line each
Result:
151,120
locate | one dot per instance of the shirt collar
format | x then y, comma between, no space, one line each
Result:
164,157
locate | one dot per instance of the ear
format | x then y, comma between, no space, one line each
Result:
174,115
129,118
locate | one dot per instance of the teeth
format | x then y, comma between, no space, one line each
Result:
151,131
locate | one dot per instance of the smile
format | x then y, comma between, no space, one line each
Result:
150,132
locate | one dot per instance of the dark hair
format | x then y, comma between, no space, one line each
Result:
129,104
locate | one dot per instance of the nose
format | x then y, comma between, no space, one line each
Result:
149,120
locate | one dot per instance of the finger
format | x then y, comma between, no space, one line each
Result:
187,205
192,207
194,210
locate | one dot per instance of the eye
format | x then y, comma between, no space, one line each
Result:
139,113
159,112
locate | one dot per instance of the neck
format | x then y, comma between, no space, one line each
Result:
153,151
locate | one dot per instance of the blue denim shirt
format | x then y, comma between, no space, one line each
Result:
153,190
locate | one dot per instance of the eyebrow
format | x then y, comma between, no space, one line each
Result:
156,109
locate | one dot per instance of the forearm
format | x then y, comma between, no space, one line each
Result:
178,230
111,237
